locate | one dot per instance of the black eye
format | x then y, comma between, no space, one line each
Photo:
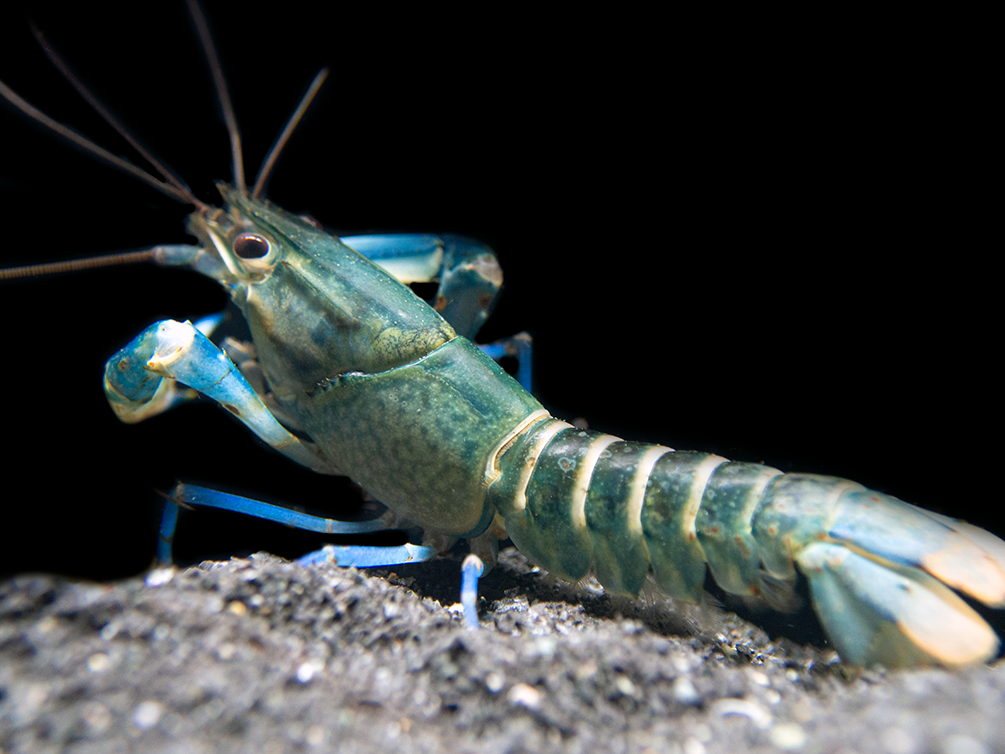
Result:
250,246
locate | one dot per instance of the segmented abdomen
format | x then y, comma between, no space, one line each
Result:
575,499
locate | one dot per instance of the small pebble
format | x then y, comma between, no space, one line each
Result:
159,577
684,691
759,678
308,670
97,717
98,662
957,743
524,696
146,714
788,736
896,740
755,713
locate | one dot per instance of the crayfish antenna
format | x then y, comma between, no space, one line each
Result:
75,265
169,176
266,170
222,93
99,153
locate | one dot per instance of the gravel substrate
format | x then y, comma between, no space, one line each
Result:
264,656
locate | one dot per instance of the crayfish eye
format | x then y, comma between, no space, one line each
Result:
250,246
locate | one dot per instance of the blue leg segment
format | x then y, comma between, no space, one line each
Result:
410,257
190,495
470,279
471,570
169,523
361,556
519,347
468,271
469,284
358,556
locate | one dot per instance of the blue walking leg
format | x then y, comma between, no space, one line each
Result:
467,270
519,347
471,570
165,541
470,280
351,555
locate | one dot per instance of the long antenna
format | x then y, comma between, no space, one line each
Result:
209,49
65,132
294,121
172,184
73,265
56,59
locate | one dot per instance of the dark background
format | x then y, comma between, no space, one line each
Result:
769,248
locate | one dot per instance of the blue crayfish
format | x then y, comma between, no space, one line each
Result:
348,372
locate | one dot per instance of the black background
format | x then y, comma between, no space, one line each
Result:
763,247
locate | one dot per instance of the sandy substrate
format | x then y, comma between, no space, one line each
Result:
263,656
